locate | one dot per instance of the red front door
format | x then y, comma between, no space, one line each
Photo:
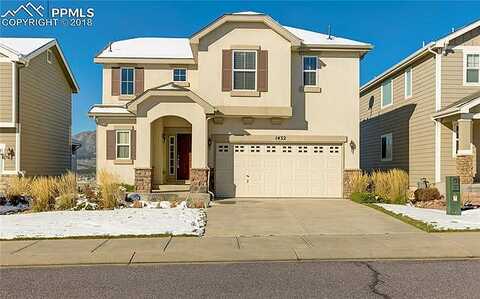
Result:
184,156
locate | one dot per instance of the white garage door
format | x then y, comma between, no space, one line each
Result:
272,170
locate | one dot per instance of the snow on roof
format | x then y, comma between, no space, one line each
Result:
108,109
23,46
149,47
316,38
247,13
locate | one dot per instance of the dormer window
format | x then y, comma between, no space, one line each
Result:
309,71
179,75
244,70
127,81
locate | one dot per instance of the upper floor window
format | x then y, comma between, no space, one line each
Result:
180,75
127,81
472,68
387,93
244,70
386,147
408,83
123,144
309,70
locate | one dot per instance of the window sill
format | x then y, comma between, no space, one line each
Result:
311,89
471,84
126,97
244,93
123,162
182,83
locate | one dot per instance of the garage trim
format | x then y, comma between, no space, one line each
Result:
287,139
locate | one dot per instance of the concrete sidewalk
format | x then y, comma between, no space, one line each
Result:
226,249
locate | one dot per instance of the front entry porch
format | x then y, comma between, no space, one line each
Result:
172,141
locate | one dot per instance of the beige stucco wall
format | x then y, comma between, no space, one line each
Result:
6,92
331,112
45,117
125,173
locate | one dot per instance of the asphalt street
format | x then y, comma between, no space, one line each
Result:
387,279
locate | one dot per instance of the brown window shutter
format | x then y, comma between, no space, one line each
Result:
115,81
226,70
111,145
133,144
139,73
262,71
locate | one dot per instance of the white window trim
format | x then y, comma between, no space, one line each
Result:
179,68
244,70
171,162
381,94
465,53
133,79
310,71
389,135
2,150
411,83
49,56
123,144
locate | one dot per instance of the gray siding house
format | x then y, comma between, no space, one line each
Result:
36,86
422,114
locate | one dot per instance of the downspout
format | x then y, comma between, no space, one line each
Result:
212,195
18,127
438,104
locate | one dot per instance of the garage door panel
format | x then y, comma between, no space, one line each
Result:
266,170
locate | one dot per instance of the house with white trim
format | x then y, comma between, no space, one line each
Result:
36,86
245,107
423,114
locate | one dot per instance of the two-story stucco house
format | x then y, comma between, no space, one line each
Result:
36,86
422,114
245,105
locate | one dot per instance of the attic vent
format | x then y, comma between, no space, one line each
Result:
49,56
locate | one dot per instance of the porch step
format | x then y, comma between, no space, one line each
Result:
167,196
171,188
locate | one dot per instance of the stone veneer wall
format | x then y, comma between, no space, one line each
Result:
199,180
347,175
465,169
143,180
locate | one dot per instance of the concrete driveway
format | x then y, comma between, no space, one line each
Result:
257,217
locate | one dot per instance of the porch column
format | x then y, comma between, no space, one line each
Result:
199,172
465,167
143,166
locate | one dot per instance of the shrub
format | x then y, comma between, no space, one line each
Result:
128,188
43,194
366,197
358,182
67,191
109,189
391,185
16,187
426,194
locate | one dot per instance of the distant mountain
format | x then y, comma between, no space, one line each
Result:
88,141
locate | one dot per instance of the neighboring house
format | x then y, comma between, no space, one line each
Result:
245,104
36,87
422,114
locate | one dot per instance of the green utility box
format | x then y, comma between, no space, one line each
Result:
454,203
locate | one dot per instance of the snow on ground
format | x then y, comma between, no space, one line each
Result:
175,221
7,209
469,219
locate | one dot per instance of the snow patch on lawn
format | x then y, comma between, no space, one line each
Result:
439,219
176,221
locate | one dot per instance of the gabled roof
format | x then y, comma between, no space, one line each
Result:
461,106
440,43
22,49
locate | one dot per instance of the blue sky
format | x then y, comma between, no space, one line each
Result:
396,29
